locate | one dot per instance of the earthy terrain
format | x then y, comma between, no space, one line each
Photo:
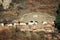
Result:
19,8
7,33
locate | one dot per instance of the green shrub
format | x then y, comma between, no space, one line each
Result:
58,10
58,15
57,21
1,8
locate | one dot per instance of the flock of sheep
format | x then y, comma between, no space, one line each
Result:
32,25
19,23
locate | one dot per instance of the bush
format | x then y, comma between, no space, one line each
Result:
58,10
57,21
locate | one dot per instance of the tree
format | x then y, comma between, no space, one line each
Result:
57,21
58,10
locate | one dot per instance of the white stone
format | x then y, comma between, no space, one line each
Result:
44,23
36,23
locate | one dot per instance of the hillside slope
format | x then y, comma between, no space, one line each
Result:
21,7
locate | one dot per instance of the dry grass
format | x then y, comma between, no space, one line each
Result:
10,34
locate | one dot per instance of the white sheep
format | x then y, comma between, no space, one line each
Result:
44,23
52,23
16,24
30,23
10,25
2,24
22,23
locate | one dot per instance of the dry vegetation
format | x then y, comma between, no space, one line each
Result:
18,8
7,33
12,33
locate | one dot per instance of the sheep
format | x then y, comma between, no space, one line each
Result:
49,30
10,25
44,23
35,22
31,23
22,23
52,23
2,24
16,24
